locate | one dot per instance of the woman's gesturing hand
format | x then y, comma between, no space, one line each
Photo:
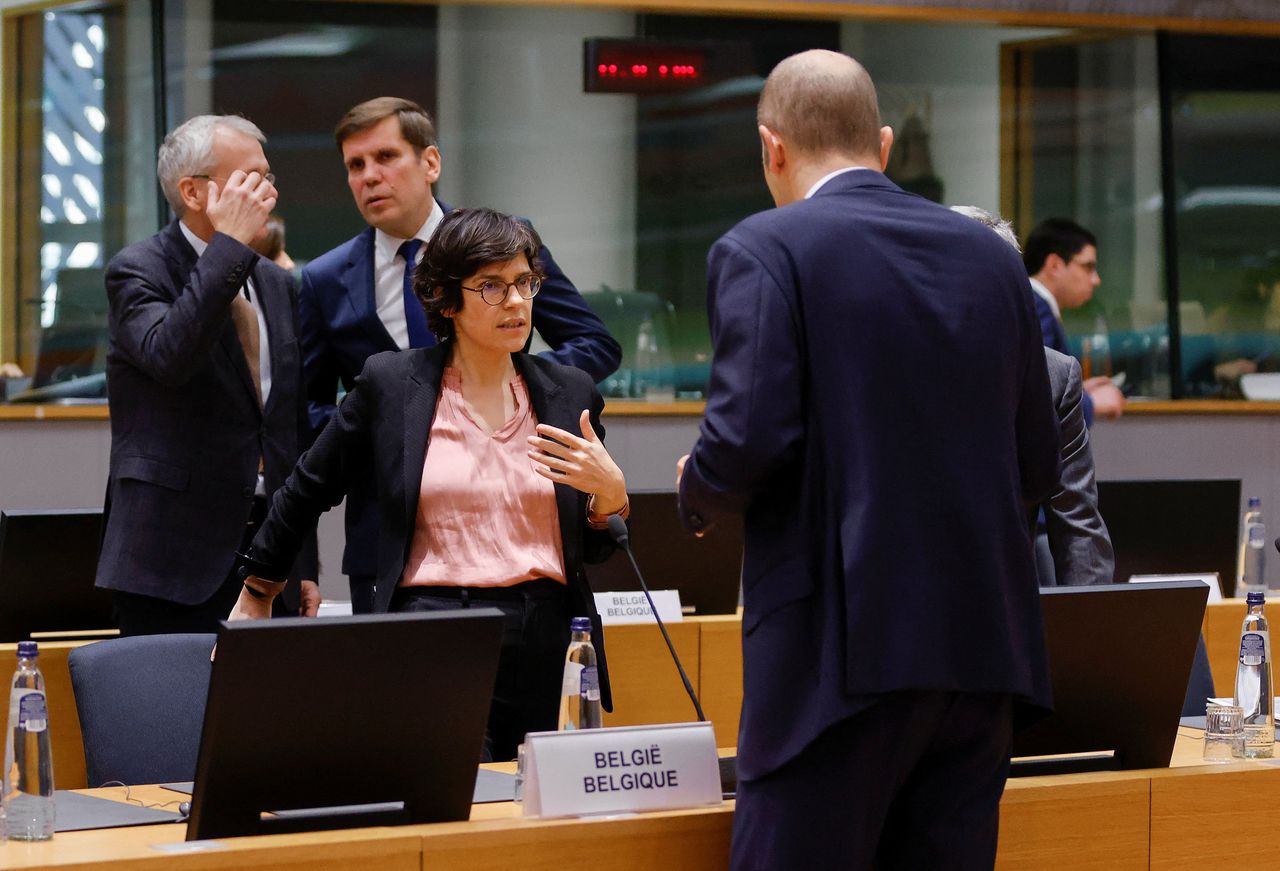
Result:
581,462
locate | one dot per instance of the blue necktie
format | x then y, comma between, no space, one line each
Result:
414,317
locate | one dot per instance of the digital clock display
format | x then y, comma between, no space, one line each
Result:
631,66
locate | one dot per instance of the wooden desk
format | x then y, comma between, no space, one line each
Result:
1159,819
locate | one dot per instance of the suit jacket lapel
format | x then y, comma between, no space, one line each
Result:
358,279
422,390
184,258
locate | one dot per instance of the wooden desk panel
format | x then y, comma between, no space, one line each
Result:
1222,641
1203,816
694,840
646,685
64,722
1074,822
720,681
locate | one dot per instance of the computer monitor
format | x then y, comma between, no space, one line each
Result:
346,721
1173,527
48,560
1119,659
707,571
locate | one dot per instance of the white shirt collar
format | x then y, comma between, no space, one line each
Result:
386,246
196,242
826,178
1045,294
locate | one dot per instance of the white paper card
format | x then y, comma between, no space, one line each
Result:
628,768
631,606
1215,588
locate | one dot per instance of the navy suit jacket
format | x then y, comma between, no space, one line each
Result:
879,412
186,428
340,329
384,424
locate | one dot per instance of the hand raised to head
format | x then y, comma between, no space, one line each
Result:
241,208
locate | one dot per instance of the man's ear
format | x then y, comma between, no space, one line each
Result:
886,145
1053,264
193,192
773,152
430,158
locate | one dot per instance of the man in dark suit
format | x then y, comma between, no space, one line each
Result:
1076,548
1073,547
204,378
879,412
353,297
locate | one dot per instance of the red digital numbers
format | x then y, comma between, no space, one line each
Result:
644,71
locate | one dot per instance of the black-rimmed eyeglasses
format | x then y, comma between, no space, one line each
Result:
494,291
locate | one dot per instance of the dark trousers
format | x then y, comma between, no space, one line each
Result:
526,694
912,782
148,615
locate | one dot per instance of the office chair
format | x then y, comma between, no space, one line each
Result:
141,702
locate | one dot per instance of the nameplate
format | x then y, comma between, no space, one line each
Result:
627,768
630,606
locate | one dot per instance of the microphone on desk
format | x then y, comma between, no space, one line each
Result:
621,535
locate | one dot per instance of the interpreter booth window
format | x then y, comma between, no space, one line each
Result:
1225,122
82,171
1080,134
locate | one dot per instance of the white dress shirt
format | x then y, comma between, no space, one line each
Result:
264,349
817,185
388,275
1044,293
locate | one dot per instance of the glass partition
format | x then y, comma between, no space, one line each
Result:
629,186
84,183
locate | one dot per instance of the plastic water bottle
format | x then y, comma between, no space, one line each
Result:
1253,681
27,782
580,690
1251,571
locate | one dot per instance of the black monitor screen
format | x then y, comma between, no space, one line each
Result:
344,721
48,560
1173,527
707,571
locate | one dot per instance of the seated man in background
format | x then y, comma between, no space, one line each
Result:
1073,547
1062,259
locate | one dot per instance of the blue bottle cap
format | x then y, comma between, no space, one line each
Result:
28,650
1255,502
1250,598
580,624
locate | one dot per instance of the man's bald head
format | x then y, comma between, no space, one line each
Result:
822,102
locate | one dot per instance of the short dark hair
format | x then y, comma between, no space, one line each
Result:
415,123
466,241
1060,236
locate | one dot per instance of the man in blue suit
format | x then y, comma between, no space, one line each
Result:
879,412
357,299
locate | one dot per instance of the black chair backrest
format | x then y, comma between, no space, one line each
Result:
141,702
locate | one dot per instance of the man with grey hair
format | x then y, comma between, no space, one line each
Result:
1073,547
879,414
203,377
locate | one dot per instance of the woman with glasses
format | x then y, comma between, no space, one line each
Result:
494,486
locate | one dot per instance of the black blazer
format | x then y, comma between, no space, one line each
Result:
186,429
340,329
384,422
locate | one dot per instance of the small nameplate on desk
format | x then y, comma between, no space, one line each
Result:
631,606
628,768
